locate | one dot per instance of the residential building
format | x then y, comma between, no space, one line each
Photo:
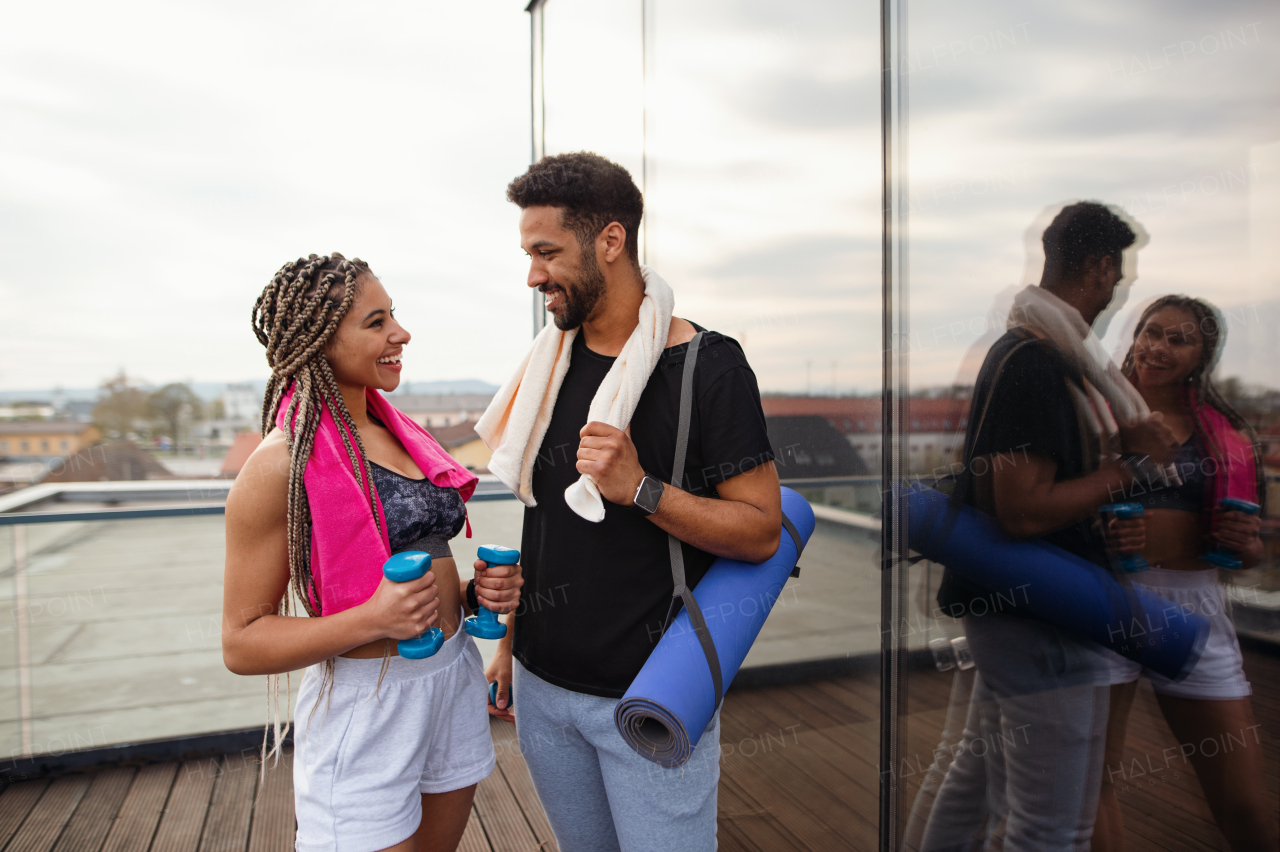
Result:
807,446
241,448
118,461
447,409
27,411
45,438
461,441
934,431
241,401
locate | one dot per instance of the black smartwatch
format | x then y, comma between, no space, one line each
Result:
648,495
473,603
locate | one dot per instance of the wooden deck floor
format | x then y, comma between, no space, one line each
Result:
798,773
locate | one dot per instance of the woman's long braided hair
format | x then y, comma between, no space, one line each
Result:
1200,388
297,314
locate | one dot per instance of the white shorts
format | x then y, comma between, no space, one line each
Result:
1220,671
362,761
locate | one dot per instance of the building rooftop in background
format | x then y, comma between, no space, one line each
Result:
241,448
45,439
806,446
861,414
43,427
413,402
455,435
116,461
461,441
444,409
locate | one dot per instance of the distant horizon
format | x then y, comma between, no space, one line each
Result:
208,390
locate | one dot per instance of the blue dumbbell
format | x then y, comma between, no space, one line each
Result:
401,568
1129,563
493,695
1219,555
484,624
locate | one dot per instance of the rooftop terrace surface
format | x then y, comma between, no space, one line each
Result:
798,773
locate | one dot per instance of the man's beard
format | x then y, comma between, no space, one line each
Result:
581,299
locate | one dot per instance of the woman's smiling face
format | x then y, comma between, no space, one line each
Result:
366,348
1168,348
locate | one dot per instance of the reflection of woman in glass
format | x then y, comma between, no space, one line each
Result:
388,750
1176,344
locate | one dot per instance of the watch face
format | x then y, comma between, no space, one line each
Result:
649,494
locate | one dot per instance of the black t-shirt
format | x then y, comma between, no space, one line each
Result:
596,595
1030,412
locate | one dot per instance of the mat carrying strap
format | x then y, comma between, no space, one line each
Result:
682,590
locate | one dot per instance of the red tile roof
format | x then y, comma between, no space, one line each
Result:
861,414
43,427
241,448
455,435
118,461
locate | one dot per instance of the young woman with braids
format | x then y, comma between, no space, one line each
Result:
388,750
1177,342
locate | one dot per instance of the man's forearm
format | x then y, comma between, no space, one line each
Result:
1049,506
723,527
744,522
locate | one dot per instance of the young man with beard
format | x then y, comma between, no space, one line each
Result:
601,591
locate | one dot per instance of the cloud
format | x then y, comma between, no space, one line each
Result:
160,161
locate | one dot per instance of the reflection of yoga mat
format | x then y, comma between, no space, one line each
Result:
1056,586
671,701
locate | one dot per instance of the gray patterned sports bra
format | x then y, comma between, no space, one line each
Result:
420,514
1189,496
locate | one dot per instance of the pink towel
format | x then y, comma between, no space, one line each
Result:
1236,473
347,549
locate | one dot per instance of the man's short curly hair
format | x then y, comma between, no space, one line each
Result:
590,190
1083,230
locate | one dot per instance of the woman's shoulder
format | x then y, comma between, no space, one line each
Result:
263,483
273,452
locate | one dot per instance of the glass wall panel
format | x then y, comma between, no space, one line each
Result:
593,69
763,214
116,630
757,130
1113,155
110,631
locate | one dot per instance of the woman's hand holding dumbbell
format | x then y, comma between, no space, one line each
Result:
1234,530
405,610
498,586
1126,536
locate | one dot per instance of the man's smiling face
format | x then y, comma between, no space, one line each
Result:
562,269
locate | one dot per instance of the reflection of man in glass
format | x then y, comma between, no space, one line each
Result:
1041,456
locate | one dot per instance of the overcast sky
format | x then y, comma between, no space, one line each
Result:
763,182
159,162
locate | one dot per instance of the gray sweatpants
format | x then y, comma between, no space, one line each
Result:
1029,764
599,795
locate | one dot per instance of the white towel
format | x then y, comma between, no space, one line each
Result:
1109,393
516,421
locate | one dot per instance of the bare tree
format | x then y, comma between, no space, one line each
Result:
122,408
176,404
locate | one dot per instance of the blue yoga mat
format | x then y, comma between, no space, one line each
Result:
671,701
1055,586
